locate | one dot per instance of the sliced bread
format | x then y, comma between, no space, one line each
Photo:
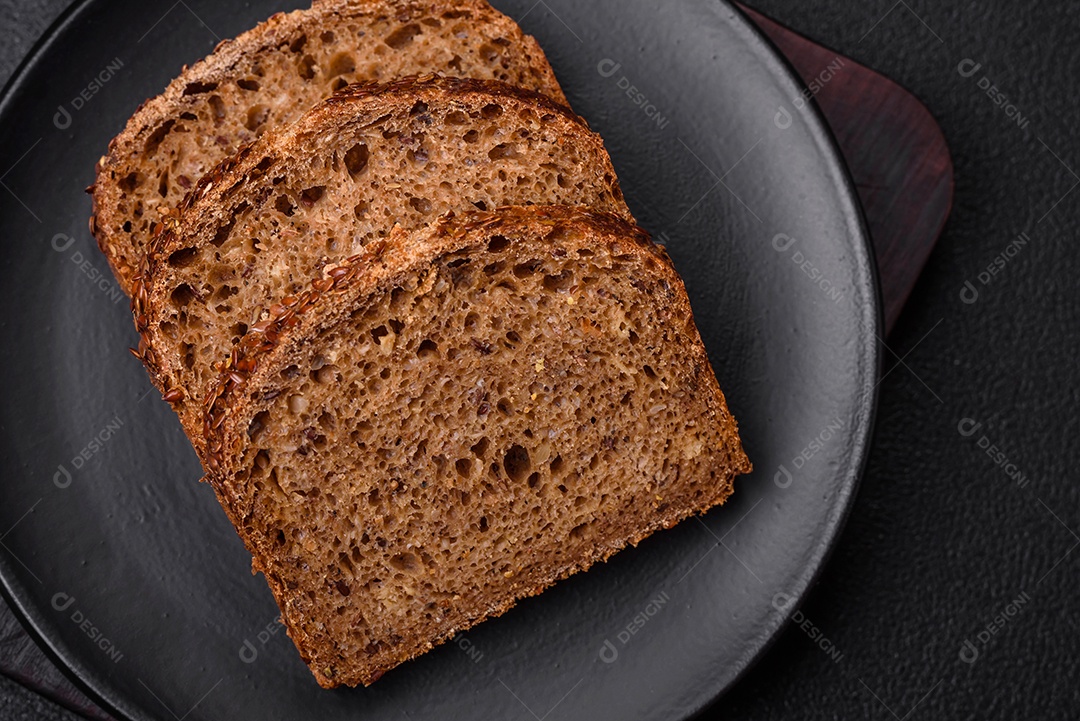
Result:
263,225
457,419
269,76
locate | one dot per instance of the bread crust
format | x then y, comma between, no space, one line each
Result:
270,346
191,224
109,209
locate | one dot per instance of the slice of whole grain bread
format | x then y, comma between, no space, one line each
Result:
458,418
269,76
262,226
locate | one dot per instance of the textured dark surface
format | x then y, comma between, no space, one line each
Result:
940,540
130,571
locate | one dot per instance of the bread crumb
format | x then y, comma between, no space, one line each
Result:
539,365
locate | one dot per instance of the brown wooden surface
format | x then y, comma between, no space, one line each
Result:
903,172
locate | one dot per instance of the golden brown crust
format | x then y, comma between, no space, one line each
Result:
109,209
273,343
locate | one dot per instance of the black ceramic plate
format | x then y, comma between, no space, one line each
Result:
128,571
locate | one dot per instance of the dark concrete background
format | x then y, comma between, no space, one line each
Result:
941,540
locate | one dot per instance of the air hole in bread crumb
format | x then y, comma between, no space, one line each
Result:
258,423
356,159
404,562
199,88
560,282
222,234
491,111
183,258
327,422
427,349
420,205
182,295
341,63
402,36
312,195
217,107
377,334
129,182
306,67
248,83
471,137
256,116
498,244
463,466
157,136
479,448
502,150
516,463
456,117
524,270
284,205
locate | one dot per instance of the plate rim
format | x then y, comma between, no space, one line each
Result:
822,135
